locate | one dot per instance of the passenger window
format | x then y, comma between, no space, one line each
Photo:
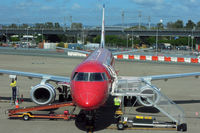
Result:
104,76
82,77
96,77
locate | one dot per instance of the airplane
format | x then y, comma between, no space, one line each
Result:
91,82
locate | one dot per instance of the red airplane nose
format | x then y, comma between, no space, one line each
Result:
87,100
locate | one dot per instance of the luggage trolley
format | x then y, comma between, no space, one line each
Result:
26,112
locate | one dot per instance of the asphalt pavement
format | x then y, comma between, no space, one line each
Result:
183,91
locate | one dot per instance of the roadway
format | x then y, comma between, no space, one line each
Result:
185,92
109,31
55,53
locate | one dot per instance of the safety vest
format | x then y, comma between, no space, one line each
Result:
13,84
117,101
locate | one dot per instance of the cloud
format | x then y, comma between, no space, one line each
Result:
99,6
192,1
189,3
49,0
56,0
46,8
153,4
25,5
76,6
148,2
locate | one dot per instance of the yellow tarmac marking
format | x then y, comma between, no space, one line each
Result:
4,101
144,128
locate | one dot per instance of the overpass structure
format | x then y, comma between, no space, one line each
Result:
97,31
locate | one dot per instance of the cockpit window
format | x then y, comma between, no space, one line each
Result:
104,76
82,77
95,77
74,75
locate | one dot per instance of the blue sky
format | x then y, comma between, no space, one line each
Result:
89,11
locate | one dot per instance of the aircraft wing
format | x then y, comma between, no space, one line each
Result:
129,83
79,51
171,76
130,51
36,75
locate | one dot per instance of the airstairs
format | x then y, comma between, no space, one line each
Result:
148,95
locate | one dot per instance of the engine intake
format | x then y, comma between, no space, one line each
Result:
43,94
148,101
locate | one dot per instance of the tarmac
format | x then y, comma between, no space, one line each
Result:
183,91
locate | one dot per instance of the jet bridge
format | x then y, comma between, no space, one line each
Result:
149,95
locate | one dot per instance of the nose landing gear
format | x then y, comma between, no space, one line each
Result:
87,120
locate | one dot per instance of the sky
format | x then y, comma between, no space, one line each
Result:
89,12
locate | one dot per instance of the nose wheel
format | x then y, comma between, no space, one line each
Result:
86,121
90,128
90,124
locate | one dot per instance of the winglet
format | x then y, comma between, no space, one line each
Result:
102,45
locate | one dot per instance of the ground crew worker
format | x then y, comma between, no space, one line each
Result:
14,89
117,101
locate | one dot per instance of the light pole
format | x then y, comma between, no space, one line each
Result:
122,20
157,41
192,43
127,41
192,37
149,20
71,22
6,36
27,35
157,37
139,16
77,35
42,34
132,38
189,40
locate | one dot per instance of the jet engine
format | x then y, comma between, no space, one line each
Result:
150,96
43,94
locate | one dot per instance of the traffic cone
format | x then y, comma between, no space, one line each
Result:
197,113
16,104
22,98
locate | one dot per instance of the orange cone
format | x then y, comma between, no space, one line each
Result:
22,98
197,113
16,104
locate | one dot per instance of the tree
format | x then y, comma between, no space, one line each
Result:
77,26
150,40
40,38
116,40
14,39
39,25
49,25
24,26
160,25
61,44
136,27
198,25
56,25
178,24
170,25
190,24
97,39
63,38
13,26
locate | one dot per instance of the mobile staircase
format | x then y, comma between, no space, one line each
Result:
150,96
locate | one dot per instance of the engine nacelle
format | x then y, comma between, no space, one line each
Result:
149,100
43,94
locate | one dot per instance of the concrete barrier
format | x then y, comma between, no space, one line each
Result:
148,58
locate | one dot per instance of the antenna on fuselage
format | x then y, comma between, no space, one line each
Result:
102,44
